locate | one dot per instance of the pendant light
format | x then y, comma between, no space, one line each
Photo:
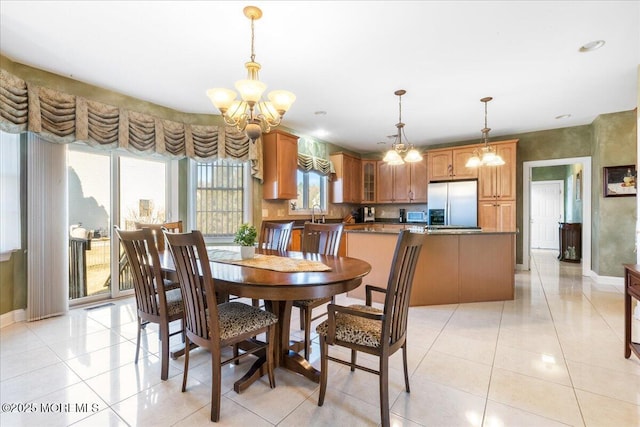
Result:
393,156
487,155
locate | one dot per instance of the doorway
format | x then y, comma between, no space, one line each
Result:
547,210
584,192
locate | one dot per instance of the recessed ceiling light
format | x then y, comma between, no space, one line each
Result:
591,46
320,113
563,116
321,133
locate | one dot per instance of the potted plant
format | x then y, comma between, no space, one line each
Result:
246,238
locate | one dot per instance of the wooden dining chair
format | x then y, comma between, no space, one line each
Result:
211,325
156,230
323,239
275,235
155,302
158,238
373,331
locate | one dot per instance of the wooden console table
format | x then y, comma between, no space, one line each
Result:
632,289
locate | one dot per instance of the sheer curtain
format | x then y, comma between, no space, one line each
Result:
47,229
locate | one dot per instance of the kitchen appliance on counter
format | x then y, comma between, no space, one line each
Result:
453,203
416,216
367,214
402,216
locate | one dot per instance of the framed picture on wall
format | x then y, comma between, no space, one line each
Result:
619,181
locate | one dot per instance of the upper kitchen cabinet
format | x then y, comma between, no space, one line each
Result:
280,165
369,183
448,164
499,182
393,183
418,181
347,185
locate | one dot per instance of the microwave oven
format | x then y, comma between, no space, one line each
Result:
416,216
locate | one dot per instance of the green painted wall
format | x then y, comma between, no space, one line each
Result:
545,145
613,218
573,202
549,173
13,282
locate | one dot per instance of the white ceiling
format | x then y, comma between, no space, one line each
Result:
348,57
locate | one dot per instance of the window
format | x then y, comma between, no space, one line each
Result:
312,192
10,190
220,198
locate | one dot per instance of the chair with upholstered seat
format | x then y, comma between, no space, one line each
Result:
323,239
373,331
211,325
155,303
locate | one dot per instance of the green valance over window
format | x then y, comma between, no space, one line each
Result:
312,156
61,117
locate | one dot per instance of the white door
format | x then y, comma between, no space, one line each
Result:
547,209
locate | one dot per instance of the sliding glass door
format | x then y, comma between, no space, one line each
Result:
89,175
107,188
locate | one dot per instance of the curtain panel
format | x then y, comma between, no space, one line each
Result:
63,118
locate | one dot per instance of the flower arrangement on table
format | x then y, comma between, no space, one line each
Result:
246,237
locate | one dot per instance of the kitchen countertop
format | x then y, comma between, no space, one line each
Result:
429,232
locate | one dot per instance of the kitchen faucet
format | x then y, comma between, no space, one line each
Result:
313,212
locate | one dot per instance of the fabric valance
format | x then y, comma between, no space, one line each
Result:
307,163
313,156
64,118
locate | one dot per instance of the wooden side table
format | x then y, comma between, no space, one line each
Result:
570,242
632,290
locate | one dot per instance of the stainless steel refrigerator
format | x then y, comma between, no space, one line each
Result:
453,203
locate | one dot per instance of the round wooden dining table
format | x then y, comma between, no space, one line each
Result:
279,289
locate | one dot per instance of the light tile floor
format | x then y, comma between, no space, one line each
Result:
551,357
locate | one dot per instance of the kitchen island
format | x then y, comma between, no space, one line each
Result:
455,266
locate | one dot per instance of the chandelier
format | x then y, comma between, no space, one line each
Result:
485,156
394,155
252,115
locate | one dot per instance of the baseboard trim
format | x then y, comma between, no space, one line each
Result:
608,280
12,317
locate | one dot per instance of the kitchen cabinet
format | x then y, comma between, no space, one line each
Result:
405,183
448,164
347,184
452,267
497,215
393,183
280,157
369,181
497,190
296,240
418,181
499,182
